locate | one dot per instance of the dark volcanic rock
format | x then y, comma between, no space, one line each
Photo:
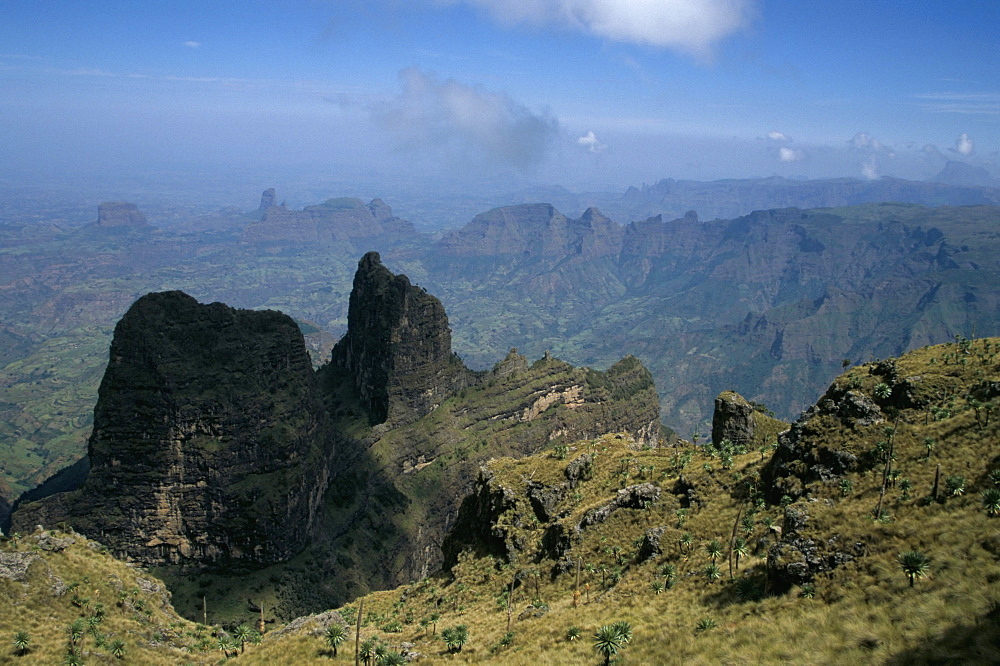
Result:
398,346
120,214
580,469
544,499
732,419
478,523
796,559
632,497
210,443
650,546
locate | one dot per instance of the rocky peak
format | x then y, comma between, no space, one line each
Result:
333,221
743,423
268,199
732,419
210,443
397,346
120,214
535,230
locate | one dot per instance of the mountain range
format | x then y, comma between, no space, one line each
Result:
769,303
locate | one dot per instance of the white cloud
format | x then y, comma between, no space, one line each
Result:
964,144
692,26
192,45
790,155
590,142
430,112
777,136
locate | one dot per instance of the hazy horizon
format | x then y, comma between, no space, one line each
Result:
486,96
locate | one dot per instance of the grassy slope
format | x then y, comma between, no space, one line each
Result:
75,583
862,612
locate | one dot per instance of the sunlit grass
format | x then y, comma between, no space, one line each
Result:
864,611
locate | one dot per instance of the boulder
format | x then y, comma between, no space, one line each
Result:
732,419
650,546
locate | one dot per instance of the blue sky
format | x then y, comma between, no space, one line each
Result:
576,92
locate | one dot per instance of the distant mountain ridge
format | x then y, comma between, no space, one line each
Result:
334,221
958,184
769,303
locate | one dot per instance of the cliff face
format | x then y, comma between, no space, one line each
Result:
535,230
120,214
403,495
210,443
397,346
334,221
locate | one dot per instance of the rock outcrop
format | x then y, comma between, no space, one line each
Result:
329,223
535,230
732,419
744,425
210,443
268,200
397,346
796,559
111,214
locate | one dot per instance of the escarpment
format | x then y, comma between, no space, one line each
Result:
210,443
215,443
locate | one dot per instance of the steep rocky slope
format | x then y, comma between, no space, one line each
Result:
71,602
717,556
210,443
214,439
398,346
397,488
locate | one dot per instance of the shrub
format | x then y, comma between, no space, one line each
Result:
455,637
991,501
607,641
955,485
914,564
705,624
22,642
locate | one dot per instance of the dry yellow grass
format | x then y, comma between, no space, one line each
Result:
862,612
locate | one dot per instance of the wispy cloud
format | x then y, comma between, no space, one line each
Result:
691,26
192,44
962,103
777,136
430,112
591,143
964,145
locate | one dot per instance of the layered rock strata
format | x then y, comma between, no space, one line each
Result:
397,346
210,443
